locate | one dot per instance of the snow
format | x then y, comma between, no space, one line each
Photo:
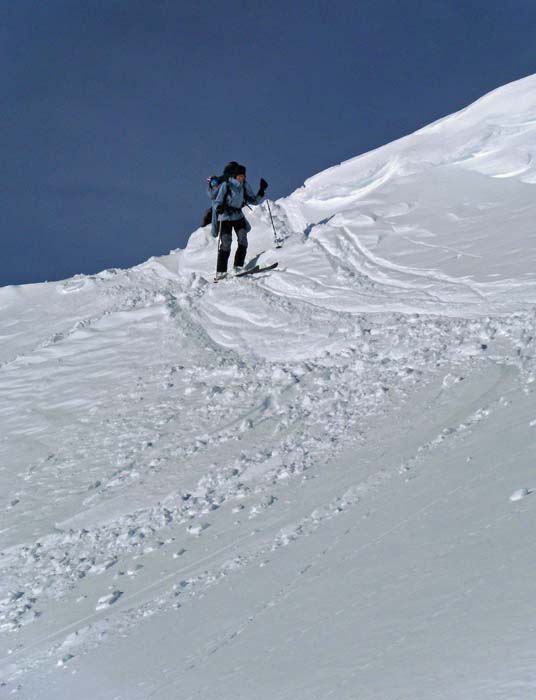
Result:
308,483
519,494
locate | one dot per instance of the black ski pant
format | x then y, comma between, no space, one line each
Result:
241,228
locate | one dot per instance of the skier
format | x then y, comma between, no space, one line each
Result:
232,195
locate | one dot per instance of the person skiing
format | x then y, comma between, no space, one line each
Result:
232,195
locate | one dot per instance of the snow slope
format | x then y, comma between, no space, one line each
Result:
311,483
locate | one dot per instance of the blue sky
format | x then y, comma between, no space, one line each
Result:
115,111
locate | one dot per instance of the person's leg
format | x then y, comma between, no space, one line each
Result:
241,228
224,246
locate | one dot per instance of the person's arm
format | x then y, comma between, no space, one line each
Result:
255,198
220,198
212,190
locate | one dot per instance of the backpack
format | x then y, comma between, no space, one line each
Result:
229,171
207,217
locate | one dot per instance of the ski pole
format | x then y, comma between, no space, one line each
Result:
276,239
219,244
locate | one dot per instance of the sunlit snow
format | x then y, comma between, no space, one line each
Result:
311,483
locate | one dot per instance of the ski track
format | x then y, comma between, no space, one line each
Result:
167,419
306,527
306,406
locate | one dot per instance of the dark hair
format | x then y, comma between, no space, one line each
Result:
230,169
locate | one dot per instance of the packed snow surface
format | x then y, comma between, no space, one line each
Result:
305,484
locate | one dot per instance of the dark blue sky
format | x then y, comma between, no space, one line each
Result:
114,111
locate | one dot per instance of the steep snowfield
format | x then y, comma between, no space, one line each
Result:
310,483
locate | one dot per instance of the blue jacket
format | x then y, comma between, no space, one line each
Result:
233,196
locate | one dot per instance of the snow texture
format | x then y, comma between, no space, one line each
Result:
303,484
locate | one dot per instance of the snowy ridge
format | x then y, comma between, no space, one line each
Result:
184,465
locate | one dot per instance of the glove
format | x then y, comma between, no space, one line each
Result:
263,185
220,209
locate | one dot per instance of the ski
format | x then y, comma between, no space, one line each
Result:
251,271
256,269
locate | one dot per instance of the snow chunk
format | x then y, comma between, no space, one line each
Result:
108,600
520,494
197,529
64,660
